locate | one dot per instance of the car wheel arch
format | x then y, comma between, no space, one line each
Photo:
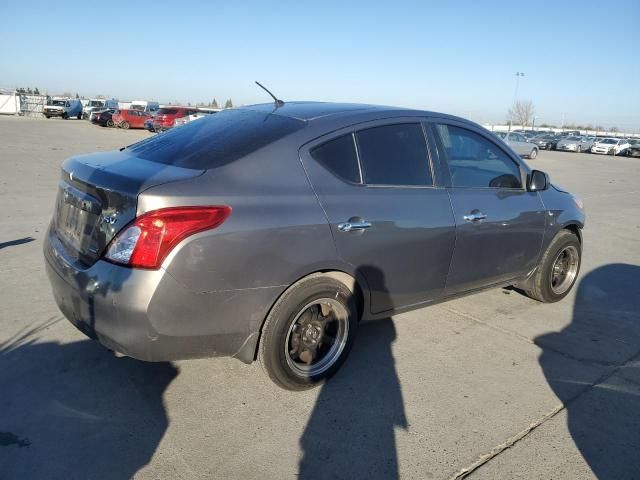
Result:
575,229
356,285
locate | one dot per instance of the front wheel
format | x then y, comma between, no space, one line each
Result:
110,123
308,333
558,270
533,154
124,125
579,148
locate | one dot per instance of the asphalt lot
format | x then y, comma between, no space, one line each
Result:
495,381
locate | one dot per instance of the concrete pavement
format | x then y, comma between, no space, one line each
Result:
493,385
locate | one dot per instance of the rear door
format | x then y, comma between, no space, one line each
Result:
389,220
499,225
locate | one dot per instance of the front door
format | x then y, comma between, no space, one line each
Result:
499,225
389,221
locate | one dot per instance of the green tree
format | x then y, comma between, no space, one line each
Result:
228,104
214,104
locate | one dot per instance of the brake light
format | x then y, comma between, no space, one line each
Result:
147,241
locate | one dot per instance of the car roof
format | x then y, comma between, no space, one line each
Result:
310,111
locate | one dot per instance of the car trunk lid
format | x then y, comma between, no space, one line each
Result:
97,197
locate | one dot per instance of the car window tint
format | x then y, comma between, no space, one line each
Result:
474,161
216,140
339,157
394,155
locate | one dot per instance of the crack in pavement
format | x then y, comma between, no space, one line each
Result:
511,441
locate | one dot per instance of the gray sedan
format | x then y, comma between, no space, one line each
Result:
575,144
519,143
270,231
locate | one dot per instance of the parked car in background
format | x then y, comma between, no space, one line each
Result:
200,114
519,144
165,118
545,141
63,107
610,146
634,148
129,118
144,106
569,133
575,144
98,104
103,118
254,234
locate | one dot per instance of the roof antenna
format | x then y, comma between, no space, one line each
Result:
277,101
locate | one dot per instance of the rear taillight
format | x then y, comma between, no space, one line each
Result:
147,241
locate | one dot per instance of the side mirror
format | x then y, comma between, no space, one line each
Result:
538,181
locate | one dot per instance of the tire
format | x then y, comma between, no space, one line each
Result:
79,116
533,154
47,117
110,123
124,125
579,149
541,286
65,116
297,321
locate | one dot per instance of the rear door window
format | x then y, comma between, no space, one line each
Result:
394,155
476,162
339,157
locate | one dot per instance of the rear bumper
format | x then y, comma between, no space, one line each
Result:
148,315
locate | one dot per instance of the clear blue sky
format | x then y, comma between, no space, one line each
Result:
581,59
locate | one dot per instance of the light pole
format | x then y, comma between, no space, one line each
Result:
515,97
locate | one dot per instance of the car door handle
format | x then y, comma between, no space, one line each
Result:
353,226
475,216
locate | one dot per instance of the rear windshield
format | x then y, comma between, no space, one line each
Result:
216,139
168,111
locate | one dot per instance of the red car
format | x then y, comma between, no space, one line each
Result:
166,116
129,118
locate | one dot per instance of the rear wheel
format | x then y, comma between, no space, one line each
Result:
124,125
65,116
308,333
558,270
579,148
110,123
533,154
79,116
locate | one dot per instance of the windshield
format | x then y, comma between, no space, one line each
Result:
137,107
167,111
501,134
608,141
574,139
59,103
215,140
96,103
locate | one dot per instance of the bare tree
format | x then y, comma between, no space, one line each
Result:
521,113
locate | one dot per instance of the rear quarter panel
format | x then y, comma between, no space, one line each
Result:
276,233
